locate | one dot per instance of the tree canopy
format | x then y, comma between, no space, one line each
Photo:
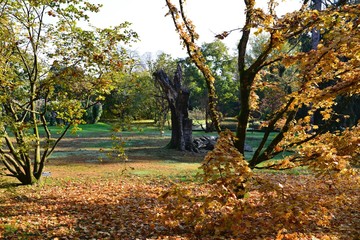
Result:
50,66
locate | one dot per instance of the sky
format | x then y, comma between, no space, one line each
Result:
157,32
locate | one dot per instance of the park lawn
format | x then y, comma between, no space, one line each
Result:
91,196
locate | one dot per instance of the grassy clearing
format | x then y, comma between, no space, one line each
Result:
143,144
93,143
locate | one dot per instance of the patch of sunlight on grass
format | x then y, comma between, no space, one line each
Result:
166,168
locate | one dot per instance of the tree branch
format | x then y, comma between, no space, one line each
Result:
269,151
55,144
196,56
270,127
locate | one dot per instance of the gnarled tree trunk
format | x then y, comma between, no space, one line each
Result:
178,98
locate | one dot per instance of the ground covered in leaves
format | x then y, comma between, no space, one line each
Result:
89,197
98,205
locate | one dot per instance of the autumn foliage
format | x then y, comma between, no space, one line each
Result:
320,76
231,194
276,207
230,200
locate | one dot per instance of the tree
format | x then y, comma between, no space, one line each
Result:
167,64
337,25
178,100
223,65
137,95
49,64
227,174
131,98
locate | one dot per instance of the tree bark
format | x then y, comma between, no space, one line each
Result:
178,99
315,33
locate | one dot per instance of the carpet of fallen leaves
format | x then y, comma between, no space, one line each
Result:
126,207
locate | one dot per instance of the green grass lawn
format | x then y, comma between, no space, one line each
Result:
144,147
90,148
143,135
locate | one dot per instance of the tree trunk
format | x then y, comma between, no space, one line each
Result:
243,117
178,99
315,33
315,40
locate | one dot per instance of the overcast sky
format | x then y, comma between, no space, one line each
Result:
157,32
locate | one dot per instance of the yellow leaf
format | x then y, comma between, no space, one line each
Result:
326,116
307,119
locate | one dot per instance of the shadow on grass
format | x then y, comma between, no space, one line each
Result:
8,185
